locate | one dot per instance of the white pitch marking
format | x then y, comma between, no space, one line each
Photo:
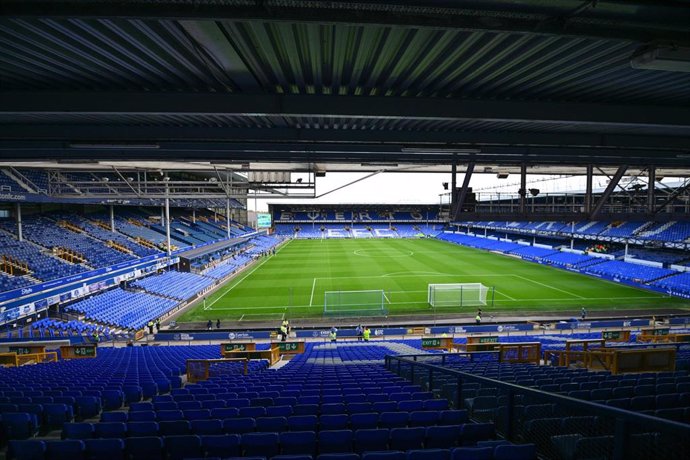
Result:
245,277
311,299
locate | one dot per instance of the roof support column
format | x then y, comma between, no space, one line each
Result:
167,217
588,189
20,235
523,188
227,215
651,183
462,194
112,218
453,186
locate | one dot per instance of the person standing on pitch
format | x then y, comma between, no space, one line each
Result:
283,332
218,323
366,333
478,317
209,325
360,332
583,314
333,335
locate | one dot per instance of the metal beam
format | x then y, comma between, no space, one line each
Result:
651,188
523,188
253,105
672,197
339,153
462,197
609,189
641,20
143,134
588,188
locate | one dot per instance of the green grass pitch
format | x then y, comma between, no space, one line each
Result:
292,283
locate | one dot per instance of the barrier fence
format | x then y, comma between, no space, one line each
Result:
561,427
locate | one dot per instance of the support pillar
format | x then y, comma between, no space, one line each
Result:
453,186
523,188
626,249
20,230
227,215
163,214
167,225
651,190
194,215
588,190
112,218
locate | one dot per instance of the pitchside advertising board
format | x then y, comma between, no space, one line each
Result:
263,220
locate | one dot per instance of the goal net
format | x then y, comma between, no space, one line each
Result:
355,303
458,295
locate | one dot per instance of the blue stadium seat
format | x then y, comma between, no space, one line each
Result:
110,430
304,422
26,450
428,454
443,437
78,430
181,447
18,425
424,418
67,449
391,455
298,442
472,453
114,417
239,425
364,421
407,438
55,415
470,433
515,452
341,456
105,449
393,419
221,445
375,439
207,427
143,448
334,441
260,444
174,428
144,416
333,422
142,429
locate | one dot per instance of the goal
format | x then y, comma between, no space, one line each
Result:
355,303
459,295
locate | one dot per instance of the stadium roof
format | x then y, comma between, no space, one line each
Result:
240,82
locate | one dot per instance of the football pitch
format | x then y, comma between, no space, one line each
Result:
292,283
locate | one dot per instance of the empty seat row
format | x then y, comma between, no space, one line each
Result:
255,408
231,447
152,427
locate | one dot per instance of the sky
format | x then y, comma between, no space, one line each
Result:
425,188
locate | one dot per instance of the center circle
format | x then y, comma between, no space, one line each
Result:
380,253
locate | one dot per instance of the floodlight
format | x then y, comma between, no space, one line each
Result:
534,191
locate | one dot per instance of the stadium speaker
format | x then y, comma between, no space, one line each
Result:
502,175
445,185
534,191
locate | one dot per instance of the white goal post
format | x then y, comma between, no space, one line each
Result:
458,295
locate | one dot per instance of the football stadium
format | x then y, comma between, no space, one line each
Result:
330,230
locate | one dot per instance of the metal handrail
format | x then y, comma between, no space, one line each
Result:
623,417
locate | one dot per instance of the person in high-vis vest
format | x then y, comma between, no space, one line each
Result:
478,318
333,335
283,332
366,333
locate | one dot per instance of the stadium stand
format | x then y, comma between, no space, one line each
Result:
126,309
175,285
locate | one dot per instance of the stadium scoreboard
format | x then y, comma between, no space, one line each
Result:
263,220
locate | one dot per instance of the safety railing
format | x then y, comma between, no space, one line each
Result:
561,426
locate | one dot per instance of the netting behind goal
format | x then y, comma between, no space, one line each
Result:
458,295
354,303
